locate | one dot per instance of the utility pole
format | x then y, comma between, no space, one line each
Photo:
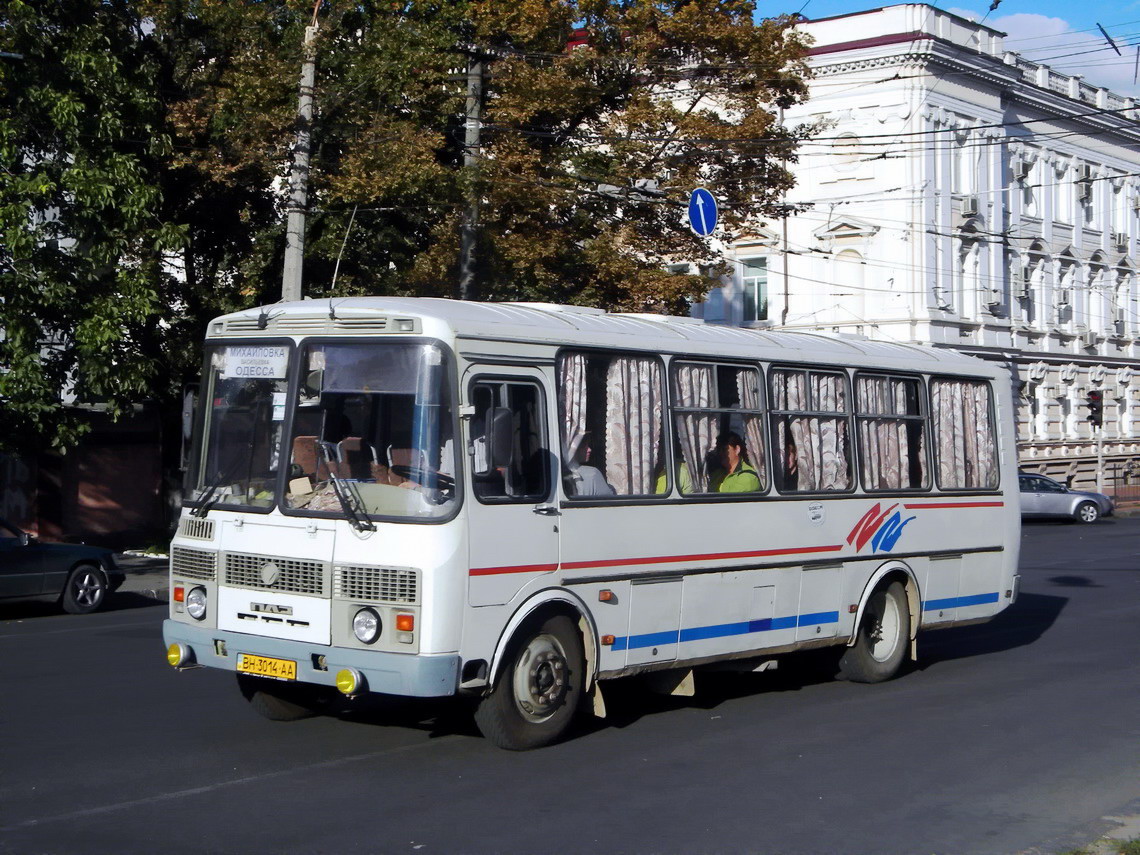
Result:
468,286
299,173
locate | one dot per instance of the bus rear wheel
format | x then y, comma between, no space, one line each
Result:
539,688
881,639
280,701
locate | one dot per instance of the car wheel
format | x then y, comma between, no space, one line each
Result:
1087,512
85,591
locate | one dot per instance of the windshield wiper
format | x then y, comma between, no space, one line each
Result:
347,493
208,499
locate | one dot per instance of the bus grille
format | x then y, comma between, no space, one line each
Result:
196,528
271,573
193,563
377,584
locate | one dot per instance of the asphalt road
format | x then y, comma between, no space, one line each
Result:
1021,735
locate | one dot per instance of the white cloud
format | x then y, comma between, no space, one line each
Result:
1053,41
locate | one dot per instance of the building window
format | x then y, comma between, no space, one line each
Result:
754,284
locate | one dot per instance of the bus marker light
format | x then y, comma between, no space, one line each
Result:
405,623
607,639
178,654
605,596
349,682
179,594
851,609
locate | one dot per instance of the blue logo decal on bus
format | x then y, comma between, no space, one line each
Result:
882,528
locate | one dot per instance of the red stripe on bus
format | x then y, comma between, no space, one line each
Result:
712,556
956,505
521,568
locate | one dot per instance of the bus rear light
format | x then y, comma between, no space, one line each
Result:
405,623
179,594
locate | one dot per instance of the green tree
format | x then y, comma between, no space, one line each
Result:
81,141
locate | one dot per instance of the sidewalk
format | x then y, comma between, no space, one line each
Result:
147,575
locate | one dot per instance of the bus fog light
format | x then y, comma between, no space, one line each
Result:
366,625
196,603
179,654
349,682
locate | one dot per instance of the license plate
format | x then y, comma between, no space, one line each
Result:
263,666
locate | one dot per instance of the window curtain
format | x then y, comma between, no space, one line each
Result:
820,442
748,391
695,433
572,393
884,445
634,413
964,436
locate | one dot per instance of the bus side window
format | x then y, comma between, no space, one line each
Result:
965,444
509,458
612,423
810,427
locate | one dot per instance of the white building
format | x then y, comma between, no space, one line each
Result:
963,196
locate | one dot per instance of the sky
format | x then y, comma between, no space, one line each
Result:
1059,33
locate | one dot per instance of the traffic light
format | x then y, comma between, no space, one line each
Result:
1095,402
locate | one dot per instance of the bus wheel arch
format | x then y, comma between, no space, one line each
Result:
538,677
885,628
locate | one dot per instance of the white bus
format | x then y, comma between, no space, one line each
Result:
515,502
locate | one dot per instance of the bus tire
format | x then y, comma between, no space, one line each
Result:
881,639
279,701
539,688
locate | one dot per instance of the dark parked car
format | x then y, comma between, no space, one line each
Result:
80,576
1044,497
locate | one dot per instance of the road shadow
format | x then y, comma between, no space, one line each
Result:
1018,626
50,607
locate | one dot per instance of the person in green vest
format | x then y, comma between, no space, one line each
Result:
736,474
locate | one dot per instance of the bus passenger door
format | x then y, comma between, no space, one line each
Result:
510,468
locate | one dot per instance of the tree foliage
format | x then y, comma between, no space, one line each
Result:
81,142
145,144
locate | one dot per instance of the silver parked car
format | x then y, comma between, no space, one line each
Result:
1044,497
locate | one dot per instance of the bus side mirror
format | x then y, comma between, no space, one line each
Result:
25,539
499,437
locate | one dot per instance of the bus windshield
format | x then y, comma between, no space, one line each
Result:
372,432
244,392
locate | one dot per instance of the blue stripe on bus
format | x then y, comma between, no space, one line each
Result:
722,630
957,602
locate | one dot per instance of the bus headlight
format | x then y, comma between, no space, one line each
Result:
366,625
196,603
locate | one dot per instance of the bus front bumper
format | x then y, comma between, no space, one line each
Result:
410,675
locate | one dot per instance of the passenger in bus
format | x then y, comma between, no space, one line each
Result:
583,479
684,479
736,474
791,474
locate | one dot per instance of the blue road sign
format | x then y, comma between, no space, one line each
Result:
702,211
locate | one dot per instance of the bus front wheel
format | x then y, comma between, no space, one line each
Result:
278,701
881,639
538,689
